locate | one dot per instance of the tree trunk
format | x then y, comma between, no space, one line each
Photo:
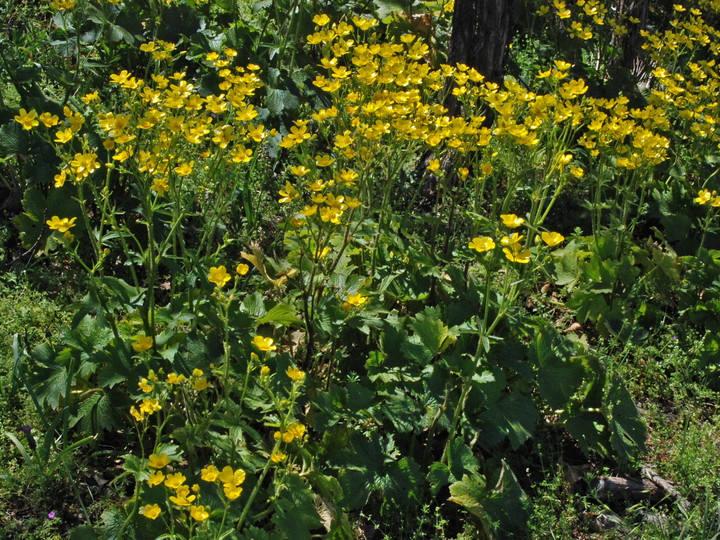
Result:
631,43
480,33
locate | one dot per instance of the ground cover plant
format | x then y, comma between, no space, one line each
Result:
312,302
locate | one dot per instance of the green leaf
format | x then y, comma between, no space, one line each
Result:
13,139
438,477
83,532
626,427
590,430
282,314
407,481
278,100
113,520
430,329
385,8
135,466
462,460
470,492
501,509
295,514
559,374
516,415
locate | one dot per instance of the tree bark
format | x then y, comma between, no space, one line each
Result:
631,43
480,34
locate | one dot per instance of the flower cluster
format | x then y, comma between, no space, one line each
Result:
231,480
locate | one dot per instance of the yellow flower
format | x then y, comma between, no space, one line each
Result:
142,343
209,473
295,374
481,244
160,185
230,477
287,194
511,221
299,170
242,269
219,276
144,386
200,384
295,431
158,462
517,256
27,120
149,406
264,344
156,478
174,481
277,457
63,136
60,178
321,20
138,415
356,300
89,98
264,371
185,168
232,492
199,513
174,378
324,161
704,196
552,238
434,165
150,511
49,120
511,240
182,496
62,225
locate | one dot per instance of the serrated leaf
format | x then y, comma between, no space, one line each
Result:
626,427
438,477
469,493
295,513
13,139
516,415
281,314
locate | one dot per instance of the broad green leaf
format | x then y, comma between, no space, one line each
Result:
516,415
282,314
295,514
626,427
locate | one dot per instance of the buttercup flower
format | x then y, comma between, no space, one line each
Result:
150,511
209,473
158,462
242,269
174,481
219,276
517,255
142,343
264,344
27,120
511,220
199,513
295,374
552,238
182,496
62,225
228,476
156,478
484,243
